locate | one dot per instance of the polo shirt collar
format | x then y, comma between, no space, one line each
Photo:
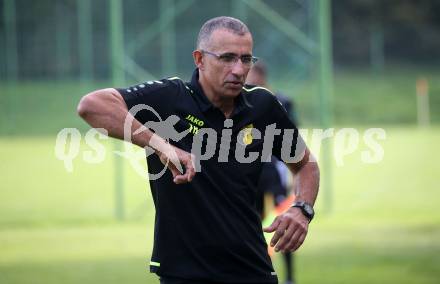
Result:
203,100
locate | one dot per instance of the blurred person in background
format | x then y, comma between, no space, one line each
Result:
275,182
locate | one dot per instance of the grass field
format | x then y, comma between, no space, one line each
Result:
58,227
360,98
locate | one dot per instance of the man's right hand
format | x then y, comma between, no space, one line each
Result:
174,158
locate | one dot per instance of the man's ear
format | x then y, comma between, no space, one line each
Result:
198,59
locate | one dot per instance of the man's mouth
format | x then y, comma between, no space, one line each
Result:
235,83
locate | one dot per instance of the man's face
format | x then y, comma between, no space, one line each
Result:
226,80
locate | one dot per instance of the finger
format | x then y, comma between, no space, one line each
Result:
273,226
174,171
186,177
293,241
174,159
300,241
180,179
280,231
189,170
285,239
176,164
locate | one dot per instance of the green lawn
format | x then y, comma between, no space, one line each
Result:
360,98
58,227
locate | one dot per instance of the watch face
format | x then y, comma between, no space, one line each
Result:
308,209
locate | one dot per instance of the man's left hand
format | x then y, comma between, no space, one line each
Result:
290,230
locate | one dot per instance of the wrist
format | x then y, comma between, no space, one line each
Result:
158,144
305,208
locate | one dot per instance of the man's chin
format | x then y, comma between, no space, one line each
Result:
232,89
231,92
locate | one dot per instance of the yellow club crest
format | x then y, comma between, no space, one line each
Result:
247,134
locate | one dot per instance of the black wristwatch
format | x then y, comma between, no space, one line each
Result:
306,209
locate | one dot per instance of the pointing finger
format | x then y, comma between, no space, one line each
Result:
273,226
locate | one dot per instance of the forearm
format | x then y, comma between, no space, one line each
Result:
307,176
106,109
308,183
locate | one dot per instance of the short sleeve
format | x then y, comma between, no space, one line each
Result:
148,100
288,144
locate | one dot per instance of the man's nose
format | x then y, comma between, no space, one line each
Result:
238,68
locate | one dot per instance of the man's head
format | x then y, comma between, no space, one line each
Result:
223,56
257,75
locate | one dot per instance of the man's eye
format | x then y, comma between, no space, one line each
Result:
227,58
246,59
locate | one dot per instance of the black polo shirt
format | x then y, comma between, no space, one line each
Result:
209,229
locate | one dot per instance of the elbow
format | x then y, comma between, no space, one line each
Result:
99,102
91,103
84,107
